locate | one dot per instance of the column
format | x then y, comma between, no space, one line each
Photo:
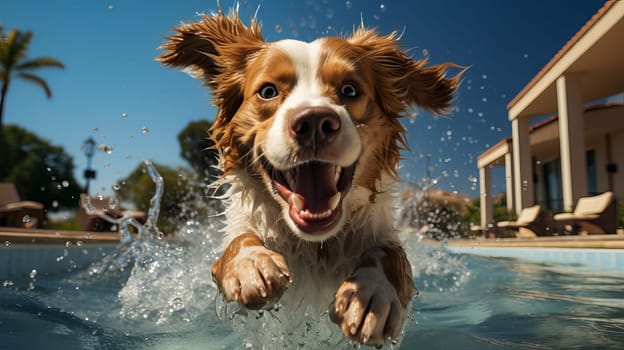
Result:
485,184
522,167
571,141
509,185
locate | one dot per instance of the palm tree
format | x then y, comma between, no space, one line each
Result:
13,62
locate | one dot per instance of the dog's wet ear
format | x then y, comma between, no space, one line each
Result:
402,81
216,50
210,47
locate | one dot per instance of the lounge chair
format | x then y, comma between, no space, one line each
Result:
531,222
95,213
595,214
17,213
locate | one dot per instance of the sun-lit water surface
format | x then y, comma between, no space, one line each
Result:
466,302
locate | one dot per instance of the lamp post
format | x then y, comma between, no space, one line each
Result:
89,149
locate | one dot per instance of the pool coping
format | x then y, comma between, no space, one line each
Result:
15,235
43,236
592,241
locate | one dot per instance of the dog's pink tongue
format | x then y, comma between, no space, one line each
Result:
314,183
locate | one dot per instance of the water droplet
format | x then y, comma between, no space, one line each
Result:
7,283
144,130
124,115
484,76
65,183
113,203
382,7
177,304
96,129
526,55
107,165
7,243
116,187
278,28
26,219
33,274
89,206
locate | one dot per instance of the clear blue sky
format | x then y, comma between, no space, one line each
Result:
112,88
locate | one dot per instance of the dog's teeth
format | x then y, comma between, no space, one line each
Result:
337,171
297,202
306,214
334,200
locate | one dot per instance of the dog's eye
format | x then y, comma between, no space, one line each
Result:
348,90
267,92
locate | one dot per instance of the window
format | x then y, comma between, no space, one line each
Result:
552,186
591,172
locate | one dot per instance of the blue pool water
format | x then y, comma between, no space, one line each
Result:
466,302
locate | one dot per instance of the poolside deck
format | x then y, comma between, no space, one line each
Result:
15,235
41,236
611,241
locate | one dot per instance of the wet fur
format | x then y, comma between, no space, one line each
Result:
364,256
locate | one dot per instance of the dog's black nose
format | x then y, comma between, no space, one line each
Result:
314,126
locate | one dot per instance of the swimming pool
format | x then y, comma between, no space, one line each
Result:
602,260
466,302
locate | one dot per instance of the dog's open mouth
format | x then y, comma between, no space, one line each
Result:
314,192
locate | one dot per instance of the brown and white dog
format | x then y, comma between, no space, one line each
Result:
309,139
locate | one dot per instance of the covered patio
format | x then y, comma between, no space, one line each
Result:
586,71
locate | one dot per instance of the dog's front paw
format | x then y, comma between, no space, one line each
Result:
367,308
257,277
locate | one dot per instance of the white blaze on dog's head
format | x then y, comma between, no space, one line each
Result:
308,91
308,122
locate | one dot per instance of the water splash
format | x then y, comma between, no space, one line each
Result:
168,280
131,249
168,277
